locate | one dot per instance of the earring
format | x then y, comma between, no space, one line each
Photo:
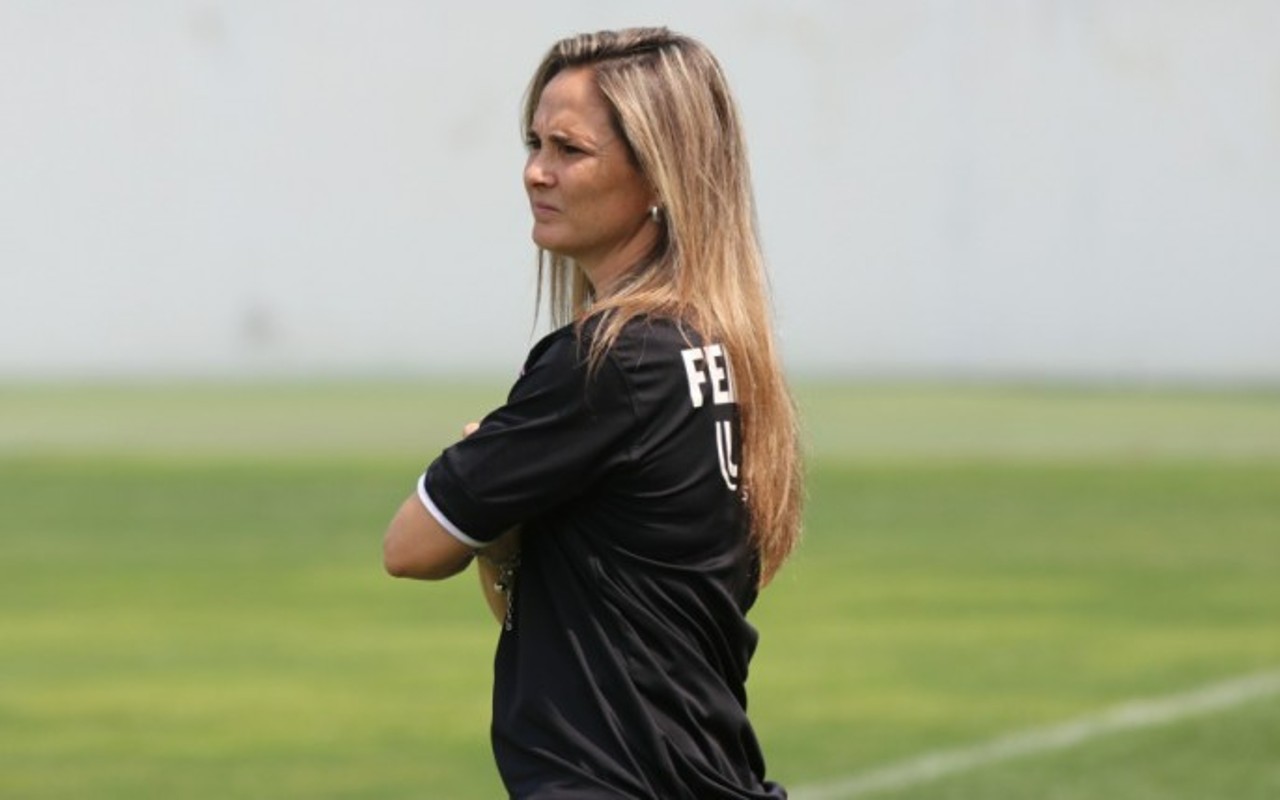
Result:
654,212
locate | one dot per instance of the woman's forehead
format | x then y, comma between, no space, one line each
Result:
572,102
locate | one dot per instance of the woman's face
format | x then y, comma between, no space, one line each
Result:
589,201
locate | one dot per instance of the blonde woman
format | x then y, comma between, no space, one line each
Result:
642,482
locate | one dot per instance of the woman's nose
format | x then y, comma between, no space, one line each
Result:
536,172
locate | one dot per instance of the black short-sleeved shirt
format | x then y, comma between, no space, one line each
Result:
622,672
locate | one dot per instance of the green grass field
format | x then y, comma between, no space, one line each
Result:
192,603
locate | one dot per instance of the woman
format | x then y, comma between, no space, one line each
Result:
647,454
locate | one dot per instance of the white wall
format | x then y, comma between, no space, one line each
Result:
983,187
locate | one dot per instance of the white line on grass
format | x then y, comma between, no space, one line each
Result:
1129,716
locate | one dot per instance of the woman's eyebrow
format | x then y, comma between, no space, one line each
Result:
574,140
562,137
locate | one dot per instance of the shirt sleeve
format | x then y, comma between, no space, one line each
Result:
562,430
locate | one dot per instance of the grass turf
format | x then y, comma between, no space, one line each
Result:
192,603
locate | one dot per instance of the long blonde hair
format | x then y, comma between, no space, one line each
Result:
672,106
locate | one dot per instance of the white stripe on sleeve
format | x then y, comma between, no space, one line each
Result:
442,519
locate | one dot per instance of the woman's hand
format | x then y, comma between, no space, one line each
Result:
497,563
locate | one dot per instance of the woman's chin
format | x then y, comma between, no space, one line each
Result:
546,241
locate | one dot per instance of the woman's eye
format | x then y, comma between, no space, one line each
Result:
532,143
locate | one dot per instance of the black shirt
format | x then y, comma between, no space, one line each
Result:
622,672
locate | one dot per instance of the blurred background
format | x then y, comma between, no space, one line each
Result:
260,261
986,188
